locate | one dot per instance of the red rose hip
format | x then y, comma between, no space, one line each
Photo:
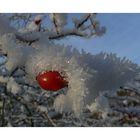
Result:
51,80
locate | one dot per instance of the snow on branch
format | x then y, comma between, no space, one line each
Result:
86,27
68,33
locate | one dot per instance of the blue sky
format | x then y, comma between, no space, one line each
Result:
122,36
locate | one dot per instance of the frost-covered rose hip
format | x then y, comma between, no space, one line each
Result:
51,80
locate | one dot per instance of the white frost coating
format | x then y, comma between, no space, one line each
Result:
43,41
27,98
6,41
74,98
59,104
100,104
5,26
43,109
3,79
59,58
111,73
17,53
12,86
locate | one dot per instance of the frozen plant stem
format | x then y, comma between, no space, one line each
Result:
3,114
55,24
31,105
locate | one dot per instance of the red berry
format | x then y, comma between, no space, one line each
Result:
51,80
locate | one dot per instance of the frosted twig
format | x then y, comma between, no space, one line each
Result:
25,40
55,24
128,111
3,113
31,105
83,21
68,33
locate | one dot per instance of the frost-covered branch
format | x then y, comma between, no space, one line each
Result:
68,33
82,28
29,105
59,20
84,19
130,111
26,39
54,19
3,113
